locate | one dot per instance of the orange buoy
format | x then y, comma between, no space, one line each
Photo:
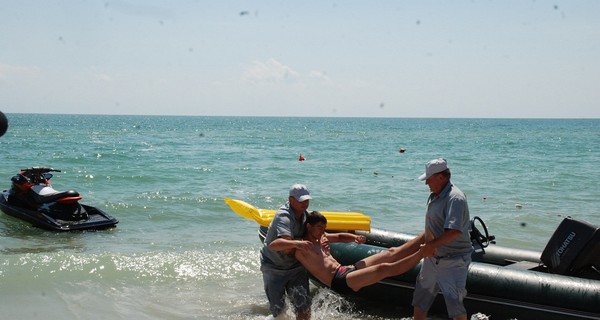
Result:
301,158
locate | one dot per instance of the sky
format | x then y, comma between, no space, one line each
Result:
370,58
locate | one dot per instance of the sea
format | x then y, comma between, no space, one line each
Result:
179,252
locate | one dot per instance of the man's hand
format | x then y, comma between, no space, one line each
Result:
325,244
427,250
360,239
303,245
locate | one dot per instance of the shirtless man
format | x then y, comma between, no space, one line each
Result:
319,262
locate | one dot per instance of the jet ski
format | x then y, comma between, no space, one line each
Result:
31,198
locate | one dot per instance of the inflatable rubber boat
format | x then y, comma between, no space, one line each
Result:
561,282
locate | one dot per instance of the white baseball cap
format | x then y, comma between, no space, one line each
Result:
300,192
434,166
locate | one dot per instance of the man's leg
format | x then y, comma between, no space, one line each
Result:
387,256
426,289
392,254
419,314
303,315
275,291
452,280
370,275
298,291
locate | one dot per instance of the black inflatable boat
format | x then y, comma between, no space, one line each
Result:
562,282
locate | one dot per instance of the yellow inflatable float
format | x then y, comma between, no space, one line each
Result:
338,221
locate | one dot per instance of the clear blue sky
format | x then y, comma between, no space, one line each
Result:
503,58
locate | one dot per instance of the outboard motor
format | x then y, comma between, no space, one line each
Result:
573,250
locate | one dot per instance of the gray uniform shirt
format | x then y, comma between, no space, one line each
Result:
449,210
284,223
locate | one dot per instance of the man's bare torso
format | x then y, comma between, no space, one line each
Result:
319,263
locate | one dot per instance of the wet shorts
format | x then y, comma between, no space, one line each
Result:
339,283
292,282
447,275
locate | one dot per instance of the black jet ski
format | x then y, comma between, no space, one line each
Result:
31,198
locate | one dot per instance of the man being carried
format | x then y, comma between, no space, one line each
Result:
319,262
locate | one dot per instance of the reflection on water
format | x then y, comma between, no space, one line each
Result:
19,237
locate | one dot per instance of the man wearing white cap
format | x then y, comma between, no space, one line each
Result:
282,273
447,225
447,245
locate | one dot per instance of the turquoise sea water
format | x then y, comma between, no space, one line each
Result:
180,253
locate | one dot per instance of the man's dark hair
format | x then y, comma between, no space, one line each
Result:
315,217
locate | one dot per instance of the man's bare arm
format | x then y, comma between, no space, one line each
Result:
447,236
345,237
285,243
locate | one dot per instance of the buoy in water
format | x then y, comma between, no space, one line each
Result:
3,124
301,158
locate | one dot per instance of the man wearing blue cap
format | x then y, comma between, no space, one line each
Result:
282,273
447,225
